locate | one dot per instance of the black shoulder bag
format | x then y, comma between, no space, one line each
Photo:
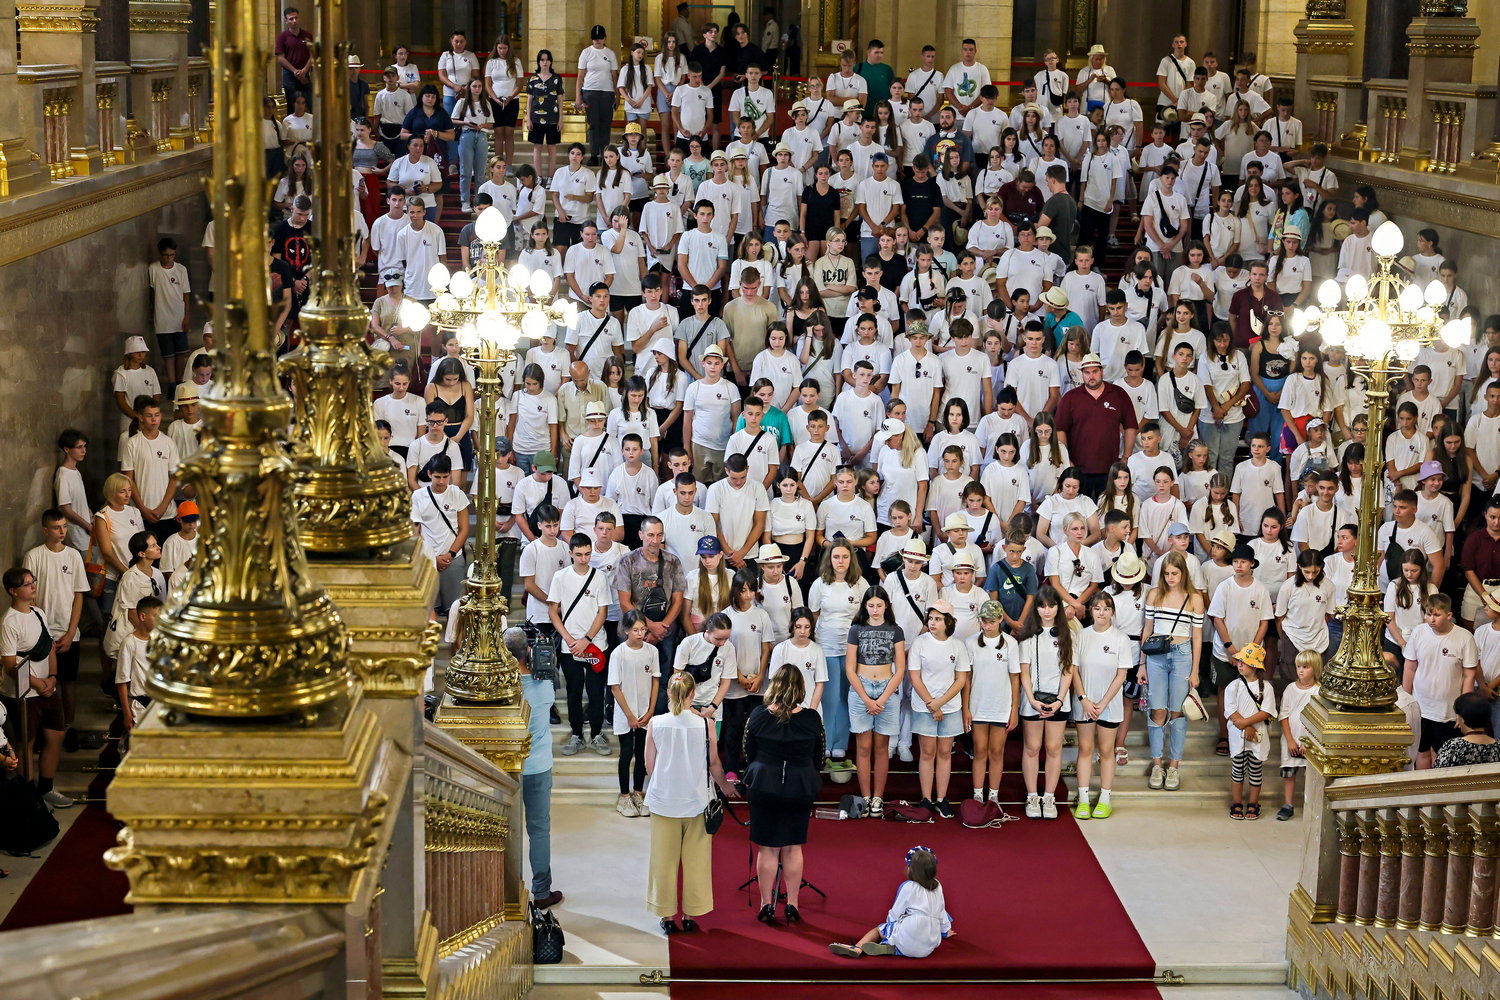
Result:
1180,399
1160,642
1164,225
446,523
713,813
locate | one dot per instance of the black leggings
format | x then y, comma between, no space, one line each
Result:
579,677
632,751
736,715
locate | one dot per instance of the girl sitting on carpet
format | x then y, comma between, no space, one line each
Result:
918,921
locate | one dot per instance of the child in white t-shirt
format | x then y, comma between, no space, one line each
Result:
131,665
632,683
1294,701
1249,705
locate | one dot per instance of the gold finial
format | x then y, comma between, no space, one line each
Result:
251,634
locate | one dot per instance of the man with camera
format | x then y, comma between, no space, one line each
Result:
536,772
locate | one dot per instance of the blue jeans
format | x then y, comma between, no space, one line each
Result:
666,652
1166,686
868,245
523,461
473,159
536,800
836,706
451,144
1269,417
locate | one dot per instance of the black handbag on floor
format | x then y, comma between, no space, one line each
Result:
547,938
29,822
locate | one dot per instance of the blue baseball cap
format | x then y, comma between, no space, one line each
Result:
708,545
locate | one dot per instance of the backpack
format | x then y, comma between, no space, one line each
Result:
905,812
28,821
976,815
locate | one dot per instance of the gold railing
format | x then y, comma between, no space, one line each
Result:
1411,909
1391,118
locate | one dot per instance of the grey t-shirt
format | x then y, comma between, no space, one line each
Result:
876,643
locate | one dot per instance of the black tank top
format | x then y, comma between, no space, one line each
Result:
455,411
1272,364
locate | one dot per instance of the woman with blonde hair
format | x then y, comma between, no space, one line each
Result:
706,586
902,467
114,525
681,758
783,754
1174,613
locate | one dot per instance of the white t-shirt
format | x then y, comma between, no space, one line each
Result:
736,508
438,513
1041,661
779,600
695,649
585,593
68,486
878,197
836,604
405,415
633,670
1101,655
168,287
1441,661
154,462
750,634
598,64
59,576
683,531
692,105
1246,698
938,662
993,665
810,661
1242,609
541,562
1178,74
1257,486
710,405
1304,612
1033,379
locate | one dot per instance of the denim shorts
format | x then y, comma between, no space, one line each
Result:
887,723
952,724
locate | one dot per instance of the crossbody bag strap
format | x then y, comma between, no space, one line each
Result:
597,331
693,344
755,441
906,589
581,591
446,523
814,460
1180,72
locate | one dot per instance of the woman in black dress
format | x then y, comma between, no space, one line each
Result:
784,752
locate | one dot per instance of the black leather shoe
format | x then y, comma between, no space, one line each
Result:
689,925
669,926
792,916
767,914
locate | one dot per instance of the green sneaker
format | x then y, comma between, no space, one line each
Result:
1081,811
1103,810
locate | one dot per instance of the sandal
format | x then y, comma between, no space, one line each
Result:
845,950
1252,811
1122,756
1236,811
1222,747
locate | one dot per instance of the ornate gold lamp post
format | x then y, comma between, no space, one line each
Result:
490,307
1383,323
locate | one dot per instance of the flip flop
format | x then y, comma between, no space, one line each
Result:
1222,747
845,950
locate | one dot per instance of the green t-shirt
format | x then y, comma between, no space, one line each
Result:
774,421
878,76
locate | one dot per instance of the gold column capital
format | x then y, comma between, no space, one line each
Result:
57,18
164,16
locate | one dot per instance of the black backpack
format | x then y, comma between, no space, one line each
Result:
28,821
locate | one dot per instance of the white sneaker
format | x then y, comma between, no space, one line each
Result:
890,752
1049,806
877,807
1034,806
600,745
1154,781
1173,781
905,754
995,796
57,800
574,744
641,809
625,805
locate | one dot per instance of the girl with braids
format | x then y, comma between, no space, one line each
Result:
1213,512
1047,668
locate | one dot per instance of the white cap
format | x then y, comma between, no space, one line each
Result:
892,426
591,478
136,345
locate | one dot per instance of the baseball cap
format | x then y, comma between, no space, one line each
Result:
941,606
136,345
393,277
1177,528
892,426
991,611
503,445
544,461
1090,361
1315,422
186,509
770,553
709,545
591,479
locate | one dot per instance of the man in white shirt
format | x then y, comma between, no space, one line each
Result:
1442,663
984,124
1286,131
964,79
709,409
577,603
1243,91
1404,532
1024,266
722,194
1116,336
878,200
1166,210
440,518
383,233
691,103
419,246
60,585
915,131
1174,74
685,522
150,460
1355,253
926,83
739,507
587,263
1217,82
594,88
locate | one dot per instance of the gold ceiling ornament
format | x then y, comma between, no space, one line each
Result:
251,634
350,495
490,307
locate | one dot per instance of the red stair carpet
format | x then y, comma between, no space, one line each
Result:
73,883
1030,905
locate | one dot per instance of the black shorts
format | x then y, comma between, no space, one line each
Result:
1435,734
623,303
505,117
1097,722
67,663
636,204
172,343
544,135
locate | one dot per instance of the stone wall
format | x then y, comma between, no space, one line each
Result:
68,311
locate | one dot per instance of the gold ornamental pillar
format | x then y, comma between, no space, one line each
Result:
353,505
159,71
63,34
256,775
21,166
1325,39
1442,42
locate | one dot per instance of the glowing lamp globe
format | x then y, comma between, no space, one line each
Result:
1335,331
1435,294
519,277
1356,287
1329,294
1387,240
490,226
461,285
437,277
1458,332
414,315
534,324
1407,350
541,283
1410,299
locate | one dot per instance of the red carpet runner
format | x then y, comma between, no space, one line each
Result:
1029,903
73,883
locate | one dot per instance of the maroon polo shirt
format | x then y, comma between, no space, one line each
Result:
1481,555
293,45
1243,304
1093,425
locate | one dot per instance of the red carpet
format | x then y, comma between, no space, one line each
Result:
73,883
1029,902
934,991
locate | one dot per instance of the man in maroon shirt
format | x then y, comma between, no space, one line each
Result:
1480,561
1258,298
1090,420
294,56
1020,199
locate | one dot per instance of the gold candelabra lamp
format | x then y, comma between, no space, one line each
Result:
490,307
1383,322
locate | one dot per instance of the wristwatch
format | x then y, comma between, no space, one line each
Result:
452,554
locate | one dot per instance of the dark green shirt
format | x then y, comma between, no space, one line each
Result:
879,77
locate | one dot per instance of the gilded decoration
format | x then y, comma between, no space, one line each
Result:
57,18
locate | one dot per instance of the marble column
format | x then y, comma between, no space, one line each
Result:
1434,867
1460,867
1369,867
560,26
1347,829
1441,51
1482,894
1388,898
1325,39
159,51
19,130
63,34
1409,910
